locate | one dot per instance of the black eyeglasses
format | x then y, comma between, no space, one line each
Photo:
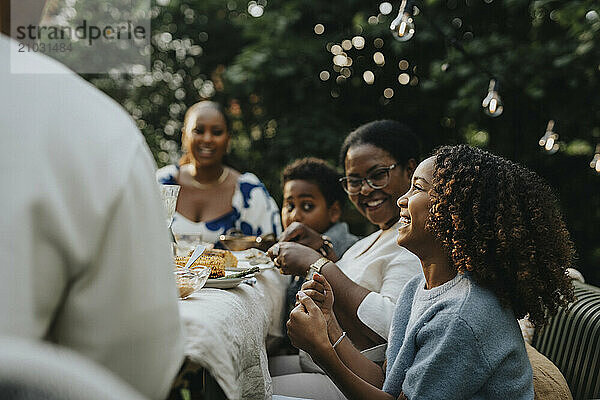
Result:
377,179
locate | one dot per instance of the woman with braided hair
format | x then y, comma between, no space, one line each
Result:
494,248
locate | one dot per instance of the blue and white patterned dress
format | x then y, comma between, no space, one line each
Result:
254,212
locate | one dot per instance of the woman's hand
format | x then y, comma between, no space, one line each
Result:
303,234
307,327
293,258
319,290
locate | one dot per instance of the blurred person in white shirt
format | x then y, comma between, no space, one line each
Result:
84,250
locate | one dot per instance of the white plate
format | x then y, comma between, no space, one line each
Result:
245,263
226,283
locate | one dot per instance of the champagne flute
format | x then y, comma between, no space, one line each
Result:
169,195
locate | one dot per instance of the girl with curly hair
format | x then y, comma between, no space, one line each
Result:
493,248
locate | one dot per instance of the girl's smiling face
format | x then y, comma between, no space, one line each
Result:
414,211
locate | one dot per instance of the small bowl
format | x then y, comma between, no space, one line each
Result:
240,243
189,282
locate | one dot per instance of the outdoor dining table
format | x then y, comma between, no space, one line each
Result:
226,331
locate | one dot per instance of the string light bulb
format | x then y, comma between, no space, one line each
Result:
549,142
492,104
403,27
595,163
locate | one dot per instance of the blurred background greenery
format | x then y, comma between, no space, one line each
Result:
270,62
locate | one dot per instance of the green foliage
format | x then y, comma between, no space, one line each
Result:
545,54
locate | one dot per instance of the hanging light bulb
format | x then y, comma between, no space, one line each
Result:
549,142
492,105
402,26
595,163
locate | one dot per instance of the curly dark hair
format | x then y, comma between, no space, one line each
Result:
392,136
320,173
501,222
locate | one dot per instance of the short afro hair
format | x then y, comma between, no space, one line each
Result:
392,136
501,222
320,173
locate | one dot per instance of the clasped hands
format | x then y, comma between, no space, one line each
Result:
312,317
310,321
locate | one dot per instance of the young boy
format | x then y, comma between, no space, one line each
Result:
312,195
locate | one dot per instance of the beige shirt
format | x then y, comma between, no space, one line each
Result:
379,264
84,254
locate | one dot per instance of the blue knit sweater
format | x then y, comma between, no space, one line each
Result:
455,341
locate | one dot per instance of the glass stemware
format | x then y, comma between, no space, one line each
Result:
169,195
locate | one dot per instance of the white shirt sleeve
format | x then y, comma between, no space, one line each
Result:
122,309
377,309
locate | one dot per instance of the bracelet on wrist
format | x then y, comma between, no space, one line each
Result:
340,339
317,265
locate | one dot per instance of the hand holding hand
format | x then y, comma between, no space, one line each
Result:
293,258
307,327
320,291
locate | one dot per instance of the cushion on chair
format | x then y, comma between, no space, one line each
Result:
571,340
548,382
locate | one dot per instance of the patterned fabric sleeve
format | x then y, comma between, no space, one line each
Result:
259,213
167,175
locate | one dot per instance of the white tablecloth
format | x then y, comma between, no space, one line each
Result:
225,332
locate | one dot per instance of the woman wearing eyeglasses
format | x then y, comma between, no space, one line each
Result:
379,159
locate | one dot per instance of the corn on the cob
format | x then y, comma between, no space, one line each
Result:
216,264
230,260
